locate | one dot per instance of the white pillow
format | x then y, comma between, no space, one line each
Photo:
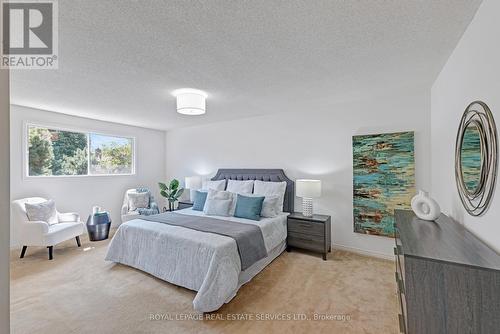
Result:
216,185
218,207
271,189
216,202
138,200
240,187
45,212
269,206
219,194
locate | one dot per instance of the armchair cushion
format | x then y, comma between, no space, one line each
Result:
68,217
63,231
45,212
129,216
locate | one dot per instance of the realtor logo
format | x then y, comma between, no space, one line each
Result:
29,34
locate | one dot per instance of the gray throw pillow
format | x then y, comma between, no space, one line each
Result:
138,201
45,212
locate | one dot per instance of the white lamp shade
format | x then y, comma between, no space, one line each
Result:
190,101
193,182
308,188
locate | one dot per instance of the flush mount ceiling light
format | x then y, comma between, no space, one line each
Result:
190,101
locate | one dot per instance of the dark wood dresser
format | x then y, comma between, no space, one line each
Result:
448,280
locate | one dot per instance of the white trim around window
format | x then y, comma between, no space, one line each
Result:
87,132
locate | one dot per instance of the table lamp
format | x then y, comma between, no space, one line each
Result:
192,183
308,189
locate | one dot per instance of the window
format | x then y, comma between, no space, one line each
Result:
110,155
56,152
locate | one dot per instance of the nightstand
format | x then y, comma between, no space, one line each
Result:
311,233
184,204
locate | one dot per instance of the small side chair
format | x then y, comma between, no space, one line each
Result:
40,233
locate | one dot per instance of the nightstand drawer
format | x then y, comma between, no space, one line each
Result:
306,227
306,241
184,205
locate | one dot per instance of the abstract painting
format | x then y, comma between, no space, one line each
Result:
383,180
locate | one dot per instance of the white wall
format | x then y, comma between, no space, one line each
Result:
471,73
4,202
308,145
81,193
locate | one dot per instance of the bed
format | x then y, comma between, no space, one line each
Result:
208,263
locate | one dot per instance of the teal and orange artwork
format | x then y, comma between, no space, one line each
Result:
383,180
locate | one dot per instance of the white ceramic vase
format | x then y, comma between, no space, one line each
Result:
425,207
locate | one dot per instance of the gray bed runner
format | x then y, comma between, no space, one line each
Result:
249,238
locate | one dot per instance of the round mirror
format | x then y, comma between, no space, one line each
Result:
471,158
476,158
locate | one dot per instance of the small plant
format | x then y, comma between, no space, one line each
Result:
172,192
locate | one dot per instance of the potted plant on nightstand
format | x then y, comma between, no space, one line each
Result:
172,192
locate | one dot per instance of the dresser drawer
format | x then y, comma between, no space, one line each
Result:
306,241
306,227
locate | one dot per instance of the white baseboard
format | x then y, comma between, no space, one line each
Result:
363,252
334,246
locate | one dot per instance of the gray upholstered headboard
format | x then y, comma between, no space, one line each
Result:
273,175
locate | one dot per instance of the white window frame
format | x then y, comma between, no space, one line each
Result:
86,132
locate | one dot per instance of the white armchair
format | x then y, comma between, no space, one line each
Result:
127,214
40,233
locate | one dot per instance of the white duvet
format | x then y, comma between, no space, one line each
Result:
205,262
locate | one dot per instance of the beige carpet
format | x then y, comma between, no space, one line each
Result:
78,292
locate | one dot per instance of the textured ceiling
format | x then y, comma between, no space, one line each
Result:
119,60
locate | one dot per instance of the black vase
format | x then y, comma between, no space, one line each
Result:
98,227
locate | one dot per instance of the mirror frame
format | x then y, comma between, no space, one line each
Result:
477,201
